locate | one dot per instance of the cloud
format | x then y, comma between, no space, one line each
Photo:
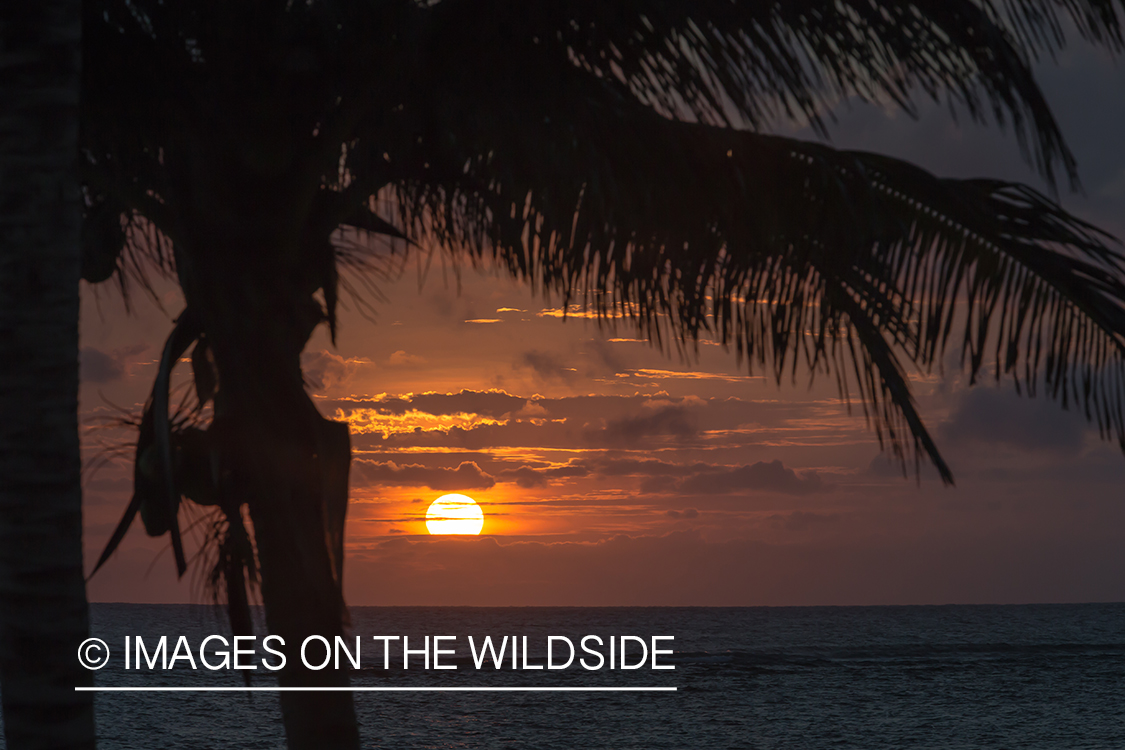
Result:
528,477
493,403
678,421
324,370
992,415
96,366
524,476
686,513
587,421
649,467
468,475
548,366
603,359
764,476
402,359
493,419
577,311
653,374
532,409
592,358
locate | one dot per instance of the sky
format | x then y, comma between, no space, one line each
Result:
612,473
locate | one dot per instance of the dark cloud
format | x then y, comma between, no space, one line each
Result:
493,404
645,467
992,415
476,438
384,404
771,476
528,477
96,366
594,358
549,366
323,369
598,421
675,421
686,513
576,429
603,359
467,475
524,476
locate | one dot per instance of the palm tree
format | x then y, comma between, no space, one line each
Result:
43,612
609,153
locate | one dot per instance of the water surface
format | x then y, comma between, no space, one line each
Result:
1036,676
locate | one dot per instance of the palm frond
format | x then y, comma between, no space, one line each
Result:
578,141
750,63
799,254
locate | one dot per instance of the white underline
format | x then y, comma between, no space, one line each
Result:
140,689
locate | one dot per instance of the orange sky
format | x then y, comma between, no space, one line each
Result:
610,473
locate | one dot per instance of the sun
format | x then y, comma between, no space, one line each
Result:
454,514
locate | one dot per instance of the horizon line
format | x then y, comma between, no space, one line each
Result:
362,689
259,605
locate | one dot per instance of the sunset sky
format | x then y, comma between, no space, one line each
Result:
611,473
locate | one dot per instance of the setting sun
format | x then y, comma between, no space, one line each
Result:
454,514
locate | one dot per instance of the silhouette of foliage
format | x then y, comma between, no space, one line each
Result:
579,143
614,153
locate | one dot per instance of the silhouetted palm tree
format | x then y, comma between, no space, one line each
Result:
43,612
608,152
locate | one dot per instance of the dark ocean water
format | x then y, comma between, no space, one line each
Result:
1037,676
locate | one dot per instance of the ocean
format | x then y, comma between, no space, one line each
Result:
1034,676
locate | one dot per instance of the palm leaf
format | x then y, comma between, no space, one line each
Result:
799,254
754,63
546,134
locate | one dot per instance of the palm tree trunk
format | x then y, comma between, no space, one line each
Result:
43,610
290,466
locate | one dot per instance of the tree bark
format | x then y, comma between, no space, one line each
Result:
287,463
43,610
